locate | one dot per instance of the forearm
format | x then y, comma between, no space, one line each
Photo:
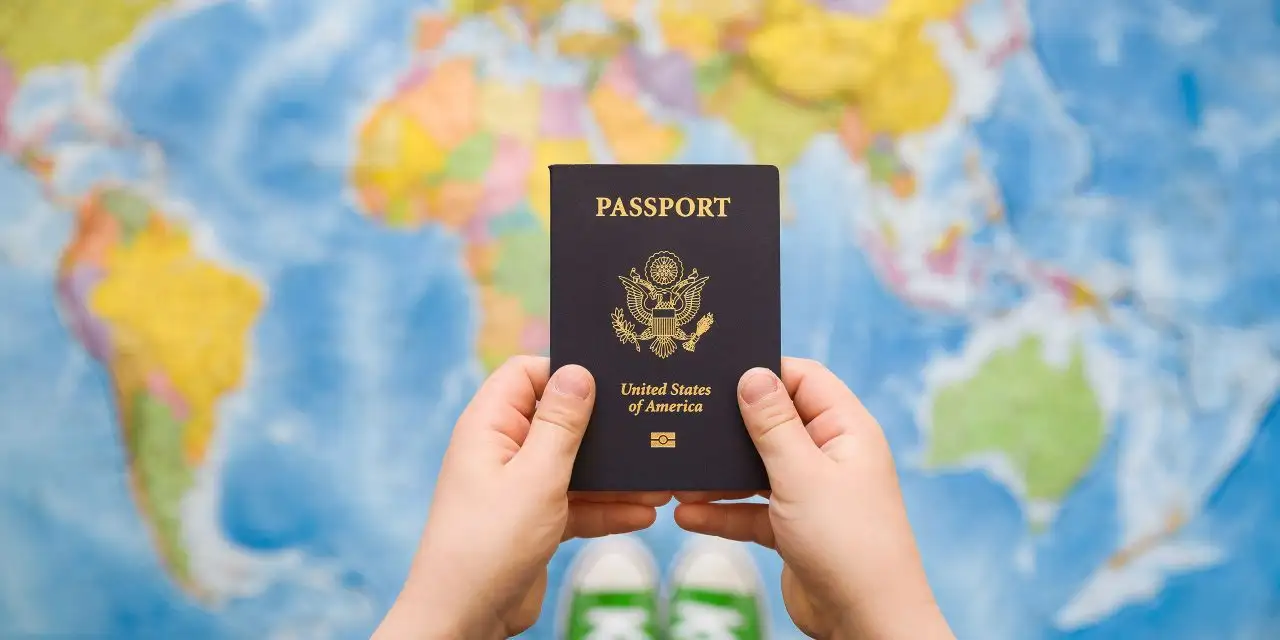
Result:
404,623
907,614
435,614
922,626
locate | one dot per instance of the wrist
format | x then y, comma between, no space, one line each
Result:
424,613
896,606
414,621
918,620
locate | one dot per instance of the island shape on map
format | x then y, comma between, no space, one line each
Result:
1020,415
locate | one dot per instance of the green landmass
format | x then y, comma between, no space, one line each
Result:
163,476
881,166
471,159
130,209
713,73
524,257
37,33
1047,422
777,129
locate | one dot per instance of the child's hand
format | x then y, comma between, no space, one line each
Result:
835,514
501,507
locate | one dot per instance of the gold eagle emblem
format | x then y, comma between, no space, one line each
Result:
662,301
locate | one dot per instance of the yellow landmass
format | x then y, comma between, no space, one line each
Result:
631,132
883,64
777,129
171,309
502,322
696,27
912,93
36,33
686,30
1082,296
511,109
470,7
815,55
926,10
531,11
545,154
395,156
590,44
786,10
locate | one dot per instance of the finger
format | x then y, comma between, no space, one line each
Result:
558,424
506,400
647,498
690,497
774,425
594,519
825,404
744,522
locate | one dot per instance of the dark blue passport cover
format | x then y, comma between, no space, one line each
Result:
665,285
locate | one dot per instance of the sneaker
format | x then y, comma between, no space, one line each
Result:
716,593
611,592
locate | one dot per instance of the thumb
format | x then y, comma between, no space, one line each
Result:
774,425
559,422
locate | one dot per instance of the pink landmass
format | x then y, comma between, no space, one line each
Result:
620,75
535,336
73,292
160,387
415,76
506,182
945,260
476,230
1068,289
8,88
562,112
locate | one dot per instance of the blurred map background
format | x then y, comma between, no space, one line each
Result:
255,255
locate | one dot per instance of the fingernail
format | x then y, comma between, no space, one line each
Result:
572,381
758,384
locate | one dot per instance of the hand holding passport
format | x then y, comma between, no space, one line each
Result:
665,287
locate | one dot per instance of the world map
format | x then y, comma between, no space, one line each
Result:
256,255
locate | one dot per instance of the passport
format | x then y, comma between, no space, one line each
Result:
665,285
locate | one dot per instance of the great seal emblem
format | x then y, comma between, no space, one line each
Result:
662,301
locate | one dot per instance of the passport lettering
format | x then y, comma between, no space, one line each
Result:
653,206
671,397
666,314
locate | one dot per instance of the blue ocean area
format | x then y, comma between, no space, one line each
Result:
1139,138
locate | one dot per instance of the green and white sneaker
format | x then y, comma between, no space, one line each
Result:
611,592
716,593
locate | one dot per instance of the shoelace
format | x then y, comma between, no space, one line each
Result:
697,621
617,623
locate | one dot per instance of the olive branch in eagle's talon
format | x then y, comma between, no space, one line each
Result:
704,323
624,330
